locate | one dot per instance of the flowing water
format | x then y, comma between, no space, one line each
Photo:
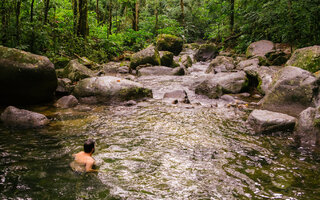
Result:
155,150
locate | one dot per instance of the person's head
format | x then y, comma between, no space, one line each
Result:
89,146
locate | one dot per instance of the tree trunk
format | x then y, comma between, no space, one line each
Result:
4,22
83,28
18,11
182,12
231,15
156,14
97,11
46,11
32,31
75,15
110,19
137,16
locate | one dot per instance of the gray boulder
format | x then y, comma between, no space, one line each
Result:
21,118
216,85
206,52
247,63
262,75
221,64
260,48
155,70
307,58
179,95
307,131
76,71
263,122
67,102
186,61
209,88
232,82
25,78
150,55
291,91
108,88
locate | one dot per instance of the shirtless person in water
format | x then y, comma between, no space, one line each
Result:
83,160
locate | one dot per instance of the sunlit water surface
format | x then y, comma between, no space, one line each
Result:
154,151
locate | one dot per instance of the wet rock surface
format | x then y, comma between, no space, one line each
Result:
25,78
67,102
21,118
264,122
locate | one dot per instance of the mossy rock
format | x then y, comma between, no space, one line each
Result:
167,42
150,55
206,52
291,91
75,71
186,61
307,58
260,48
166,58
61,62
25,78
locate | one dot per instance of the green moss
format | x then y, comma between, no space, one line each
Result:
18,55
134,93
166,42
307,58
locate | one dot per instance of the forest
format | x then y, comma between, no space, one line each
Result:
103,30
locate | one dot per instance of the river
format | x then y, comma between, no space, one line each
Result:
155,150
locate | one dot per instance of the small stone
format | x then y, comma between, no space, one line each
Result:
130,103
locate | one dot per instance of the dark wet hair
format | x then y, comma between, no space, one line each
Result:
88,146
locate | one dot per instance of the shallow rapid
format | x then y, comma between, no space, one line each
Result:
155,150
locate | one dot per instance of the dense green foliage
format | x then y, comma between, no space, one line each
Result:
116,26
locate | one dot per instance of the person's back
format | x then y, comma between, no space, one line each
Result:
83,161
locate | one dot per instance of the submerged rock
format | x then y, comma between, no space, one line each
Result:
263,122
206,52
25,78
76,71
167,42
307,131
15,117
150,55
260,48
291,92
67,102
307,58
221,64
108,88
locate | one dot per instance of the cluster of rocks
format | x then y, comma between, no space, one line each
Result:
287,81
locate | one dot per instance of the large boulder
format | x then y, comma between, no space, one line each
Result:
263,121
291,91
232,82
307,58
206,52
150,55
25,78
108,88
166,58
15,117
76,71
166,42
260,77
221,64
215,85
307,131
260,48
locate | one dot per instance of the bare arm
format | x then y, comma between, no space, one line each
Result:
89,165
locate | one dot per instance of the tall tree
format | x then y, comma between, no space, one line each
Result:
135,15
32,29
110,18
231,15
18,11
46,10
80,17
182,12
